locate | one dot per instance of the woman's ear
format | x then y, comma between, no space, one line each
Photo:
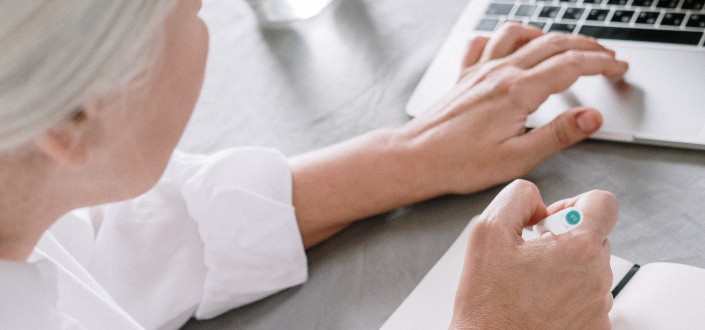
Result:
65,142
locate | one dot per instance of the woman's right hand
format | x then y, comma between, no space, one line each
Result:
553,282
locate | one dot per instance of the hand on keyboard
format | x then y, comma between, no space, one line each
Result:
475,137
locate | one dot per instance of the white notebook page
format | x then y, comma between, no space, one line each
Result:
661,296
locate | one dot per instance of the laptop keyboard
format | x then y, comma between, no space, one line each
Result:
679,22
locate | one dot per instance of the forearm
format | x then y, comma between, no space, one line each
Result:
471,140
355,179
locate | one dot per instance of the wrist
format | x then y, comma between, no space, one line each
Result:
358,178
415,164
425,160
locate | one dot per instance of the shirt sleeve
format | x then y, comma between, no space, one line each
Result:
215,233
29,296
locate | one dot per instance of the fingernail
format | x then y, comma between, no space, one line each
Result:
587,122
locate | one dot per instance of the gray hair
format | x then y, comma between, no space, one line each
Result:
56,54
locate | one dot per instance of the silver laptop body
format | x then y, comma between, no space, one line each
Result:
663,102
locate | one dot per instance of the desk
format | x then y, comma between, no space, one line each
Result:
352,69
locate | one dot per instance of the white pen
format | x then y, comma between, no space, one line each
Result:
559,222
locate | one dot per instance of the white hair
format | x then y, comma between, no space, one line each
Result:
56,54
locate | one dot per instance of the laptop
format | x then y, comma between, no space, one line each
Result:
664,99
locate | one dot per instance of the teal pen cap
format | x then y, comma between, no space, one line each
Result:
560,222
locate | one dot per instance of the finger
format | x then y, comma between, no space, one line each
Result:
551,44
600,211
563,131
609,303
559,72
508,39
600,318
516,206
604,322
607,250
475,48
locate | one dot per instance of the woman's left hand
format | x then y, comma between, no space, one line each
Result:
476,138
473,139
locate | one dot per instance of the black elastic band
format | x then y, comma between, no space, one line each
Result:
624,280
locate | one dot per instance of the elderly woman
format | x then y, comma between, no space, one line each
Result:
95,94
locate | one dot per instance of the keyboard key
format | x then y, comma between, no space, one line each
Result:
487,25
597,2
622,16
693,4
525,10
667,3
617,2
647,17
673,19
499,8
696,21
558,27
598,15
539,25
549,12
571,1
666,36
573,13
642,3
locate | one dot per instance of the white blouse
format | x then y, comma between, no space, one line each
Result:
215,233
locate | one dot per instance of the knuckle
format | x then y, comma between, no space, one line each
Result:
574,58
498,70
589,247
519,95
602,304
609,204
606,283
485,229
609,302
484,225
605,196
524,187
607,247
500,84
516,83
504,81
503,87
488,71
476,41
561,135
556,39
511,28
521,80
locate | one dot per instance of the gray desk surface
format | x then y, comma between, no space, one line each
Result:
352,69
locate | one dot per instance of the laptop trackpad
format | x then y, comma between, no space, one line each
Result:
661,97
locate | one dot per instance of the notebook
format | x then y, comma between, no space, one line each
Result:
656,296
664,102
